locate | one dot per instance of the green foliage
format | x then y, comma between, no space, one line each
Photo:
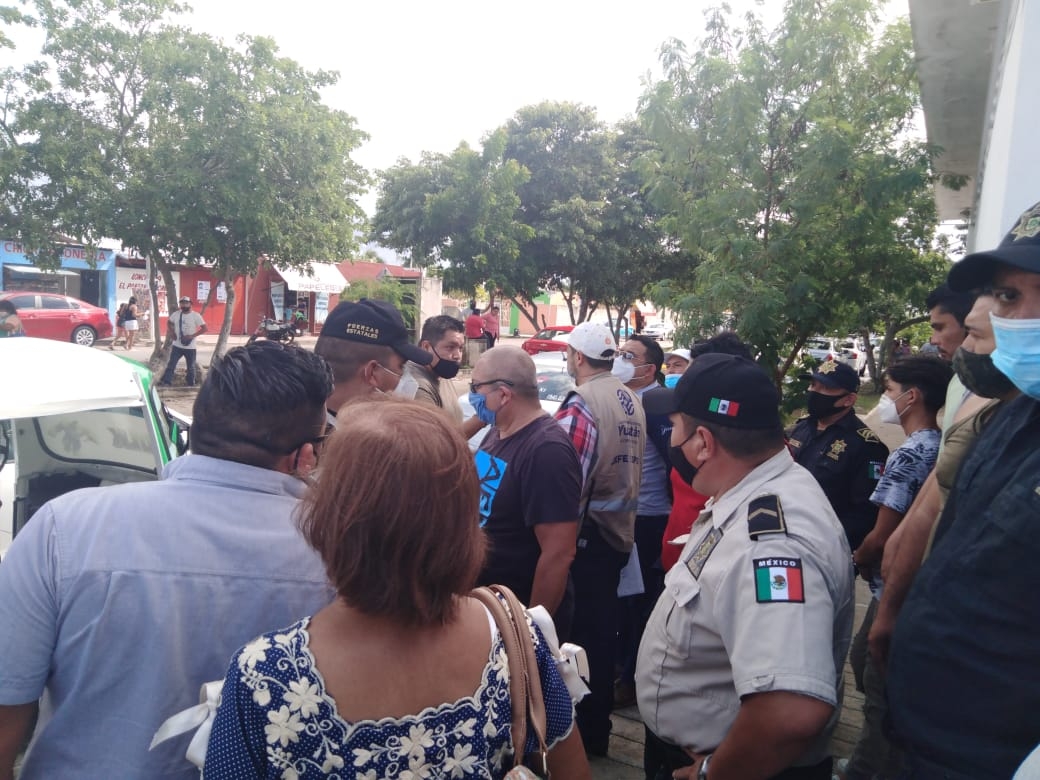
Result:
186,149
786,168
387,288
553,201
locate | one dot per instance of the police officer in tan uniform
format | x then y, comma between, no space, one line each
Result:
739,670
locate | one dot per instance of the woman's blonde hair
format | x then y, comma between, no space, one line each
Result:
394,512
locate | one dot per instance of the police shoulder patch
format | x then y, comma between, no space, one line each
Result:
868,435
765,516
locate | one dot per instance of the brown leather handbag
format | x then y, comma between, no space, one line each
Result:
525,686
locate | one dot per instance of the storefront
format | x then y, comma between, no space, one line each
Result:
88,275
295,294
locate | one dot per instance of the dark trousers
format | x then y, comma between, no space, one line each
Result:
595,572
635,610
660,759
175,356
490,340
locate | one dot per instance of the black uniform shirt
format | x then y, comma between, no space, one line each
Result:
847,459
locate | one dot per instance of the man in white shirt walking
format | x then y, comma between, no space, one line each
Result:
184,325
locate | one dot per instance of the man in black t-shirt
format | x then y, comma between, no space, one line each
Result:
530,486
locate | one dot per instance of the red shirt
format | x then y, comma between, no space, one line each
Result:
687,504
474,327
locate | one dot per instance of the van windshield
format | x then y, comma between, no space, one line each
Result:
120,436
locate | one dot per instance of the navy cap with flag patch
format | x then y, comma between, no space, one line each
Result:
1020,248
724,389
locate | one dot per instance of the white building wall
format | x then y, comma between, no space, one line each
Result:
1010,166
429,298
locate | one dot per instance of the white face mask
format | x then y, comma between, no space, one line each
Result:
888,410
407,387
623,370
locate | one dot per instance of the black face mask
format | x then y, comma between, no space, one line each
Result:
686,470
446,369
979,375
820,405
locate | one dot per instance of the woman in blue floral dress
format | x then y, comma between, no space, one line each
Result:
404,675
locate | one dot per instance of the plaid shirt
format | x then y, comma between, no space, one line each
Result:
578,423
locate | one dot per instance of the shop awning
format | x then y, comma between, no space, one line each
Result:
324,277
31,269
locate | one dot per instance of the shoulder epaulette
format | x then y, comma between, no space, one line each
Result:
868,435
765,516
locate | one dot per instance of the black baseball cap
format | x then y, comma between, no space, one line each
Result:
836,375
724,389
373,322
1020,248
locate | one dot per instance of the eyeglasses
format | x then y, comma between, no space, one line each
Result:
631,357
317,443
475,386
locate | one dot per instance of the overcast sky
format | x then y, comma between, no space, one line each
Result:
423,76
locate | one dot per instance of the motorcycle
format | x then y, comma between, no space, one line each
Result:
273,330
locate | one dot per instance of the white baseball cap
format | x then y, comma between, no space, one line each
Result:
683,353
594,340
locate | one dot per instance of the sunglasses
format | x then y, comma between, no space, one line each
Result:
475,386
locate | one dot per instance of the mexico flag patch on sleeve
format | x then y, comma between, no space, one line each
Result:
778,579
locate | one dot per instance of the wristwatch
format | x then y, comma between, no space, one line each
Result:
702,771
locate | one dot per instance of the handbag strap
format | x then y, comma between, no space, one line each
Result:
525,687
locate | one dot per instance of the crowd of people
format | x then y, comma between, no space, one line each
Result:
319,546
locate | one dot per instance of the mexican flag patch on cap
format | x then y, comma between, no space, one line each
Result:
778,579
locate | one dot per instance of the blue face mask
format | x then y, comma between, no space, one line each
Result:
479,404
1018,352
671,380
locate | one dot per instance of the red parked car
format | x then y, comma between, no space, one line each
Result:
548,340
59,317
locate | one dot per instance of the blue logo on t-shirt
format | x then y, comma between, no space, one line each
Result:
490,470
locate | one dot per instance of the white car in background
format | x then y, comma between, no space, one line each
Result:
853,354
553,385
821,348
660,331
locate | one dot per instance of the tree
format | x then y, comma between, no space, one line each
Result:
459,213
187,149
786,168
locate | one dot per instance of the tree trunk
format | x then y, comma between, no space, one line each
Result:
229,310
163,342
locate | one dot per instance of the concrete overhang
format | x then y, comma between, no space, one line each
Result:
955,44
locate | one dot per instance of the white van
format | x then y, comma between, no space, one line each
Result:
74,417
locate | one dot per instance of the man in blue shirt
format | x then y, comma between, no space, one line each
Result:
118,603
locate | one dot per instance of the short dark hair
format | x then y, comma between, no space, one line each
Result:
654,353
346,357
725,343
930,375
404,554
8,307
260,402
598,362
434,329
743,443
956,304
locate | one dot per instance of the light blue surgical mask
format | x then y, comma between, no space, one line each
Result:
479,404
1018,352
671,380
